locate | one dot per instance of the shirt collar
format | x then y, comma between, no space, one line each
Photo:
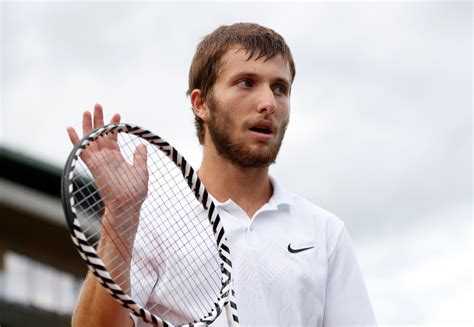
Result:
279,197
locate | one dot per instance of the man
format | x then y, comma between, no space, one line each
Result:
294,263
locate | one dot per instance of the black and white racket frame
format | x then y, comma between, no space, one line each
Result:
96,265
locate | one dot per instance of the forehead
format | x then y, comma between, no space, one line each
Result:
236,60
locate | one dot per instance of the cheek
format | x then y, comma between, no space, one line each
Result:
226,120
283,111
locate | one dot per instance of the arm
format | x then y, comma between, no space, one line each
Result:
95,306
347,301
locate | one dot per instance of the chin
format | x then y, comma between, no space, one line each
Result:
256,160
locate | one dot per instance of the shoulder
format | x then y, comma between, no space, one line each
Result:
307,213
328,228
301,205
325,226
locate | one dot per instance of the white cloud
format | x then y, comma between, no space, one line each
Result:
422,268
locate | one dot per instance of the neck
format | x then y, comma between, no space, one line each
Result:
250,188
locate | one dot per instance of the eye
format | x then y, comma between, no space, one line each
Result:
245,83
280,89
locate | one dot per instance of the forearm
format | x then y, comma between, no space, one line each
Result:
96,307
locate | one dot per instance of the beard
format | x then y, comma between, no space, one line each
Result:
221,124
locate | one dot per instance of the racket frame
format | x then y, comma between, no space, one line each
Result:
95,264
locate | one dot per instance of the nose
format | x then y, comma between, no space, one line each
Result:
267,103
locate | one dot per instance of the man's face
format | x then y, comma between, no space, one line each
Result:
249,109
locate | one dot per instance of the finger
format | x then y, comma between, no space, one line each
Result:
140,157
98,116
72,135
99,122
86,122
75,140
114,120
139,163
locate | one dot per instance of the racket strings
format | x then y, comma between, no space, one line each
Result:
117,255
97,193
94,195
116,263
175,268
186,212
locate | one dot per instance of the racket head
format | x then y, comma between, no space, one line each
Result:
80,206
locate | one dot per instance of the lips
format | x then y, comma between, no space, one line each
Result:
263,127
263,131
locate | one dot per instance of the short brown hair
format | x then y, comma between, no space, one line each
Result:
257,40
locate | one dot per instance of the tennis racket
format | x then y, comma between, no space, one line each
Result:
147,228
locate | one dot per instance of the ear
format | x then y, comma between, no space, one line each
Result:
199,106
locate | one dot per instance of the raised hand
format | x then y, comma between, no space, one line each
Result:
108,166
122,186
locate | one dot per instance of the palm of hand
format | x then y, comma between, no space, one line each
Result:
121,185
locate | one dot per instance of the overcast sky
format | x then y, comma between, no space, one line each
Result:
381,120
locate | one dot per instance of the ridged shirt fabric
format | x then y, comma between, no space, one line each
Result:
294,264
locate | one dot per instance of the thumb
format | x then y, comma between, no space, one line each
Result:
140,156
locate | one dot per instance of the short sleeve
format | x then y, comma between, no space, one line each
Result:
347,301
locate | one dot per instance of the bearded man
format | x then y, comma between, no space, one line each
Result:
293,262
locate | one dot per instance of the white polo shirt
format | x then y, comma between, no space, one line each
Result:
293,265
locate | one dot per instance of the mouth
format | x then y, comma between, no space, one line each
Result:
263,127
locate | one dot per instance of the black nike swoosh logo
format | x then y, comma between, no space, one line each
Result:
298,250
